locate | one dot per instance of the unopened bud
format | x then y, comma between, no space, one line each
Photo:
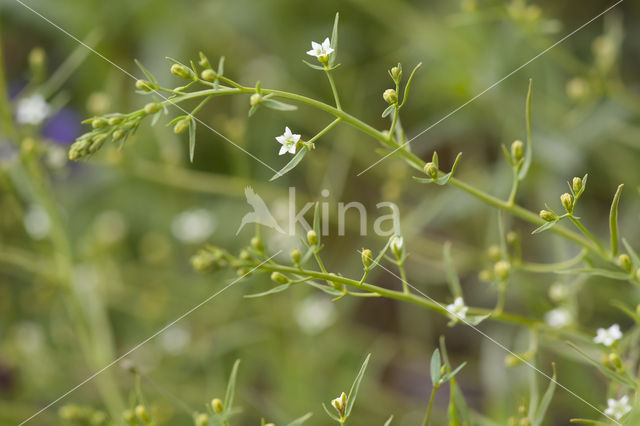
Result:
115,120
279,278
256,243
202,419
390,96
396,73
255,99
208,75
494,253
512,237
144,85
204,261
397,246
295,256
217,405
614,359
548,216
142,413
502,269
577,185
117,135
517,149
625,262
431,170
567,202
99,122
312,238
129,417
367,258
181,71
181,126
152,108
485,275
245,255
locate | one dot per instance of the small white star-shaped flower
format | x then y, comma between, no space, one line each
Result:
608,336
618,408
321,51
288,141
32,110
558,317
458,308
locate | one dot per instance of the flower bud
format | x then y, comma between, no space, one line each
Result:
142,413
397,246
202,419
115,120
37,58
245,255
390,96
295,256
512,237
129,417
312,238
217,405
517,149
181,126
79,149
96,143
567,202
577,185
117,134
367,258
204,261
494,253
625,262
279,278
501,270
396,73
255,99
144,85
181,71
614,359
548,216
152,108
340,403
256,243
208,75
98,123
485,275
431,170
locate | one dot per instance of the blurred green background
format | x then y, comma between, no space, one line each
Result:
132,217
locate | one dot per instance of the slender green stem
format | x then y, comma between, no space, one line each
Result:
403,277
323,131
430,406
201,104
589,235
334,89
514,187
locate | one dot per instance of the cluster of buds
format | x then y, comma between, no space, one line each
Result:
209,259
521,419
83,415
568,200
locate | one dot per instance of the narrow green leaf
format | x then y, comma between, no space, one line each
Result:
388,422
291,164
175,120
422,180
192,138
476,319
325,288
301,420
376,261
546,399
528,156
221,66
614,275
315,67
630,312
544,227
231,387
274,290
613,221
334,41
330,414
588,422
408,86
507,155
450,271
632,253
443,180
277,105
436,365
604,370
316,221
252,110
146,72
353,392
434,159
451,375
388,110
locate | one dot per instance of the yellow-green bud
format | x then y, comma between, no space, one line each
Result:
512,237
567,202
96,143
279,278
144,85
577,185
37,57
367,258
312,238
204,261
485,275
625,262
115,120
396,73
255,99
217,405
245,255
522,409
494,253
548,216
256,243
142,413
181,126
117,134
397,246
615,360
517,149
99,122
431,170
129,417
79,149
511,361
502,269
151,108
295,256
202,419
524,422
390,96
208,75
181,71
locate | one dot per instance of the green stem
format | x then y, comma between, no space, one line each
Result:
589,235
323,131
403,277
430,406
334,89
514,187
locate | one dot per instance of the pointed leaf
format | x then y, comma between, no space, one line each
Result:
231,387
614,275
291,164
334,41
436,366
353,392
274,290
408,86
528,155
277,105
301,420
192,138
451,375
388,110
315,67
476,319
546,399
330,414
388,422
443,180
146,72
604,370
329,290
423,180
613,221
544,227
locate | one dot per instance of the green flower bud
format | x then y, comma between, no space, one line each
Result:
548,216
205,261
217,405
512,237
390,96
144,85
485,275
99,122
96,143
142,413
567,202
115,120
255,99
615,360
577,185
517,150
501,270
79,149
129,417
117,134
367,258
279,278
256,243
37,58
396,73
431,170
625,262
295,256
397,246
181,126
181,71
152,108
312,238
208,75
202,419
494,253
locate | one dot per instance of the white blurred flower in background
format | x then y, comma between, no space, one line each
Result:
193,226
32,110
315,313
175,339
36,222
558,317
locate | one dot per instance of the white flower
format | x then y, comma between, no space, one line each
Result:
618,408
608,336
340,403
36,222
193,226
558,318
458,308
315,314
174,340
32,110
288,141
321,51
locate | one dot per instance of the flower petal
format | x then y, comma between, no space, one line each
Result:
283,150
